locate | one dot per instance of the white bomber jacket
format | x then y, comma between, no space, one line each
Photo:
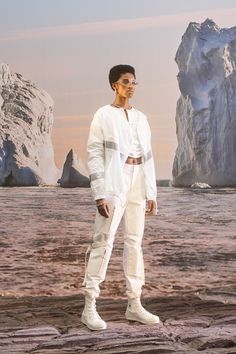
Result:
108,147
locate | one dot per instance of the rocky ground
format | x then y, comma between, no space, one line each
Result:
189,252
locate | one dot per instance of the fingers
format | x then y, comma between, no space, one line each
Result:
103,209
151,207
106,210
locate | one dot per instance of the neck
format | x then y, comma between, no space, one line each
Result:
121,102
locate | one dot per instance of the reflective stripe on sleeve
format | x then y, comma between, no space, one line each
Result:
110,145
148,155
96,175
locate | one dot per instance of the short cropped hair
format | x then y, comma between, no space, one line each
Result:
118,70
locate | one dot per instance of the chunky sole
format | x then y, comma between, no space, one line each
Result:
131,317
83,320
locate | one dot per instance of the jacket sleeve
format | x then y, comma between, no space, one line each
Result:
151,188
96,158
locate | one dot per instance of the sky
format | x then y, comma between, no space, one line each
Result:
67,47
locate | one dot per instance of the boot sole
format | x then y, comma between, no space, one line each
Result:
131,317
90,327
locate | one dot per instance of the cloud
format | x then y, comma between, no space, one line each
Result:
221,16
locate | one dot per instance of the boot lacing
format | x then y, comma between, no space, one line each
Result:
137,307
136,303
92,311
91,306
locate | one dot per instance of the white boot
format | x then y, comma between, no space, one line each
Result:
136,312
90,317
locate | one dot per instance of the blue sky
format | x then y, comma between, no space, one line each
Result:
21,14
68,46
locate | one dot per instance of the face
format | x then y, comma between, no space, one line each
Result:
125,86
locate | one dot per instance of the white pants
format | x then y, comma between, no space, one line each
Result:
133,210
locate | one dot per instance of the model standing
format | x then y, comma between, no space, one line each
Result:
123,183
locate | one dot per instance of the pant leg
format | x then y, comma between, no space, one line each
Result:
134,217
101,247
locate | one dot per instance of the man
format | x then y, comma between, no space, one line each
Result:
123,181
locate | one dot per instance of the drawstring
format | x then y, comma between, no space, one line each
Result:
85,261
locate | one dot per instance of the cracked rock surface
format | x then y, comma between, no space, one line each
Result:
189,257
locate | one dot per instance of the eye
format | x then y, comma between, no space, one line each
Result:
125,81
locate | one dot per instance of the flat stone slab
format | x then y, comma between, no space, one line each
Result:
189,256
51,324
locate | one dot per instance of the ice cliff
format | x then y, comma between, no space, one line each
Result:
206,109
26,119
74,172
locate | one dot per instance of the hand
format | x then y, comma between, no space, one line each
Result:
151,207
103,208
